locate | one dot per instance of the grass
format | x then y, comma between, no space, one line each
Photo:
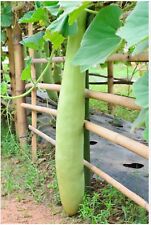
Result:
21,178
18,172
108,205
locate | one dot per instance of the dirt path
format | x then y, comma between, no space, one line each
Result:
27,212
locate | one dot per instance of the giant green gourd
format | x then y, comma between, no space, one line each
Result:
70,128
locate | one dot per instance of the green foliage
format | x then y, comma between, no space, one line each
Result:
4,84
55,38
74,15
137,23
49,3
38,15
19,174
35,41
3,37
3,88
53,9
66,23
99,40
62,26
135,29
141,47
6,15
26,73
141,92
9,143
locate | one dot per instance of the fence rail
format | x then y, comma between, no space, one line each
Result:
142,57
112,136
133,196
107,97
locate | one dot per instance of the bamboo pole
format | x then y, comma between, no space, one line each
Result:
33,99
136,198
58,59
112,136
142,57
119,139
40,109
133,196
110,84
104,76
20,85
114,99
9,32
114,82
41,134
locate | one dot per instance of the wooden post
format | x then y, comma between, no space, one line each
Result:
20,85
110,84
9,32
33,99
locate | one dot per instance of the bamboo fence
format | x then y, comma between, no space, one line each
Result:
133,196
107,97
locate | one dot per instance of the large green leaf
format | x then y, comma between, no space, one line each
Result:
141,91
62,26
53,9
35,16
35,41
141,47
140,120
6,15
136,26
49,3
146,131
99,40
76,12
66,24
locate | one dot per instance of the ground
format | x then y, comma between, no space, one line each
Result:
26,211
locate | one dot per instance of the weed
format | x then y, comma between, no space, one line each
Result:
110,206
9,184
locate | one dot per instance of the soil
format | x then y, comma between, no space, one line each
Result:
27,212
